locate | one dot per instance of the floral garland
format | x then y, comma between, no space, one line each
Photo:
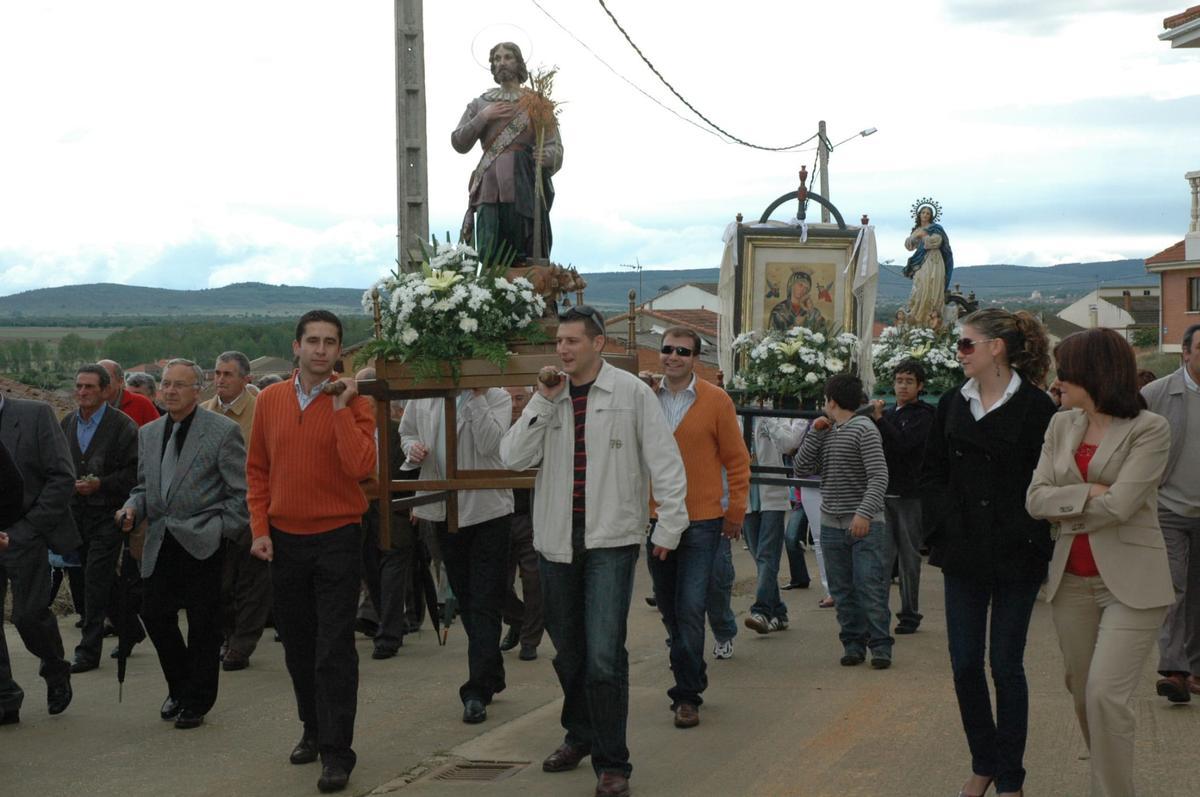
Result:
934,350
793,363
453,309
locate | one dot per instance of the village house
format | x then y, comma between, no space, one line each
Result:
1178,269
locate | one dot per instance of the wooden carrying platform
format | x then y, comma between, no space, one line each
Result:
394,380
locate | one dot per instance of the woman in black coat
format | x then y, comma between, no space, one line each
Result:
982,451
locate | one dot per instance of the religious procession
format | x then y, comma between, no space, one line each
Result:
499,515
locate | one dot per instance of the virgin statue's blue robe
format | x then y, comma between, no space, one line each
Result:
918,257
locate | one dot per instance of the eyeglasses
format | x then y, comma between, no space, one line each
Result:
179,385
967,346
582,311
682,351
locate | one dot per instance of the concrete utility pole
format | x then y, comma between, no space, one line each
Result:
823,156
412,168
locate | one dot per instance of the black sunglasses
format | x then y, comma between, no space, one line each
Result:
582,311
682,351
966,345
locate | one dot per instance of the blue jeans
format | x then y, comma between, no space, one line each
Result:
586,603
997,746
720,590
797,567
764,537
860,573
681,585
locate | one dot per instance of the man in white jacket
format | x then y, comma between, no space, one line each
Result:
476,555
600,437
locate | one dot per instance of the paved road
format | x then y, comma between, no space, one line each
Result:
780,718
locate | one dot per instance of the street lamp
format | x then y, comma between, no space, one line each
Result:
823,150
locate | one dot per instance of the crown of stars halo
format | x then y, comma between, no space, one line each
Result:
926,202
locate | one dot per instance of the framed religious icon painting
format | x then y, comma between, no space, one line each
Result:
785,279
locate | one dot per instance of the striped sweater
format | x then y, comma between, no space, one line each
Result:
849,459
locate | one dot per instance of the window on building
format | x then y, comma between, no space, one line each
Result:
1193,293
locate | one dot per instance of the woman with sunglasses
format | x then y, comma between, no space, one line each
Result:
984,444
1109,584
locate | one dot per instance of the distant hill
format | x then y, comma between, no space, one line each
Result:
609,290
104,300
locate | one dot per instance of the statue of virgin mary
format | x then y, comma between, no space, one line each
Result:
930,266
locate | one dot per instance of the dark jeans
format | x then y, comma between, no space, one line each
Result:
793,543
587,610
245,596
524,614
180,581
997,746
27,569
388,574
860,575
315,579
904,523
681,585
476,561
720,592
99,553
764,538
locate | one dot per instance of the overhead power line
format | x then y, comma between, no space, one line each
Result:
691,107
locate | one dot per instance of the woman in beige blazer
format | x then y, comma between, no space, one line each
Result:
1109,585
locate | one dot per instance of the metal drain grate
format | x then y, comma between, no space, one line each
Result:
477,771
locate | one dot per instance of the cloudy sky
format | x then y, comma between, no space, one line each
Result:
195,145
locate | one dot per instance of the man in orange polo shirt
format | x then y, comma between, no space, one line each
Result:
308,452
706,430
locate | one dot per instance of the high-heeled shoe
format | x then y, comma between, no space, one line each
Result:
963,792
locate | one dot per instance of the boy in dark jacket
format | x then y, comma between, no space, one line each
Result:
904,429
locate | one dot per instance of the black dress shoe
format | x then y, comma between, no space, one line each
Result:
188,719
58,697
83,665
170,709
528,653
794,585
368,628
474,712
384,652
564,758
305,751
333,778
10,716
510,639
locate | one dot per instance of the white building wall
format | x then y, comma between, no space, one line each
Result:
1107,313
685,297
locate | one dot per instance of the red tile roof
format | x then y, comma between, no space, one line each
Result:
1173,253
1182,18
703,321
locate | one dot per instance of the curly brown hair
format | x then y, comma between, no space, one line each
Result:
1026,344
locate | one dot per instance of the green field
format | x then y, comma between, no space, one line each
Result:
54,334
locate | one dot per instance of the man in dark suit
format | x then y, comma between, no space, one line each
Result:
192,490
103,443
38,446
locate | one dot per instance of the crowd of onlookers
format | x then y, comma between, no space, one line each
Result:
260,506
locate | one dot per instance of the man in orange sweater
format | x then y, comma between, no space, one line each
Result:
706,429
308,452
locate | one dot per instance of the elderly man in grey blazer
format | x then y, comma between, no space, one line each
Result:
30,432
192,490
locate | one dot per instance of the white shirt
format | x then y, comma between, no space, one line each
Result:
970,391
1188,382
675,405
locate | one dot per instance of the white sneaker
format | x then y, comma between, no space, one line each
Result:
778,624
723,650
758,623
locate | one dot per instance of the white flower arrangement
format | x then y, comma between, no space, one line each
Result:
934,350
791,364
454,308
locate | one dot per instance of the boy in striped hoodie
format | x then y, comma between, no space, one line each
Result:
845,449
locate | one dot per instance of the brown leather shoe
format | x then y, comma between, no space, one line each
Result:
612,784
564,758
686,715
1193,684
1173,687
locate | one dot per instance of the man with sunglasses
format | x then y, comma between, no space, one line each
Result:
599,437
706,429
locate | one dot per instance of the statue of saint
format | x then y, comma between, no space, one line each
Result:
929,267
797,308
503,198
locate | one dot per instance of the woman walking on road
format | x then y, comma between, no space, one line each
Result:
983,447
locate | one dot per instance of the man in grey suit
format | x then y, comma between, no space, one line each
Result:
192,490
30,432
